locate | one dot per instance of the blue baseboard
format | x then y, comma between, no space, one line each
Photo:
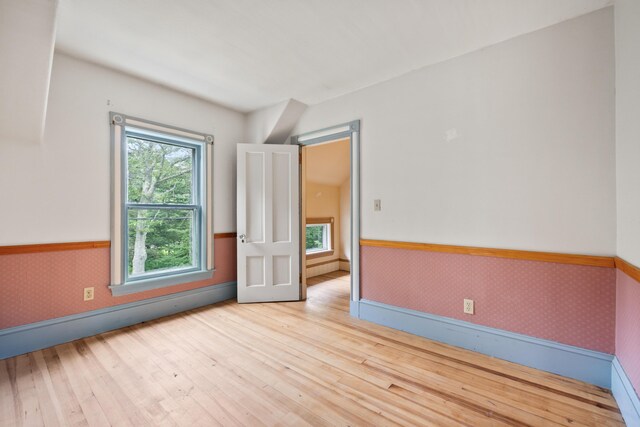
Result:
35,336
625,395
573,362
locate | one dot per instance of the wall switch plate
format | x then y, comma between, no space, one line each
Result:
468,306
88,294
377,205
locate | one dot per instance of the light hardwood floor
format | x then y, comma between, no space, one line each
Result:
301,363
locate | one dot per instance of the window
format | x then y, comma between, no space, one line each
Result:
319,237
161,208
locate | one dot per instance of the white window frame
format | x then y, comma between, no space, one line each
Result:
326,239
121,126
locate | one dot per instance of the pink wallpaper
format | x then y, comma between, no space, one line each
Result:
628,327
42,286
569,304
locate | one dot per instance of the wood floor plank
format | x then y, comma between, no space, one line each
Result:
7,396
330,357
52,414
341,358
297,363
291,363
221,387
71,409
210,360
228,375
546,405
185,404
542,399
309,358
80,381
134,386
31,414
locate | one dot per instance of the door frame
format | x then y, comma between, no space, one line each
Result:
349,130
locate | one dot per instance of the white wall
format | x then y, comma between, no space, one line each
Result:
345,220
534,164
58,191
627,24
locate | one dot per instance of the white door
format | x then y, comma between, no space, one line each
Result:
268,219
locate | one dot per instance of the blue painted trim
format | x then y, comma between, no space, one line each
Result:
35,336
325,138
354,308
573,362
159,282
625,394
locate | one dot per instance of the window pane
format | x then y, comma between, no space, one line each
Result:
316,238
160,240
159,173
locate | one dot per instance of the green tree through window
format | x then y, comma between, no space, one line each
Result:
163,174
317,237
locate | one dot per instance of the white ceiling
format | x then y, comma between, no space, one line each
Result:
248,54
329,163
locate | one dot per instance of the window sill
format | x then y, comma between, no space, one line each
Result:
322,254
159,282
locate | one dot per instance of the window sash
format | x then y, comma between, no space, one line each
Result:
196,242
196,161
197,239
121,127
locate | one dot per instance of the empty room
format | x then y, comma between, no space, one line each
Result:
325,213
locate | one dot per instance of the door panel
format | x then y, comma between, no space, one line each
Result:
268,223
255,197
281,270
281,197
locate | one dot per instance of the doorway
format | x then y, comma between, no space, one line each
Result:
325,176
345,257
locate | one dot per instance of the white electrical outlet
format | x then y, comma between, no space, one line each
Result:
377,205
88,294
468,306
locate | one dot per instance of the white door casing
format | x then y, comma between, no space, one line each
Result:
268,218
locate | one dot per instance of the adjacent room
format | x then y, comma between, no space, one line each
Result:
355,213
326,197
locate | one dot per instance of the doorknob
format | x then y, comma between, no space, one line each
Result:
243,238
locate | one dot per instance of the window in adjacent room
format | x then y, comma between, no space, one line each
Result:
161,214
319,237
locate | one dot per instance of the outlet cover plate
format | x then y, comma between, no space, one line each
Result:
469,306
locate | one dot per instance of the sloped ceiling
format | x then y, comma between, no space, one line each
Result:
248,54
328,164
27,33
273,125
